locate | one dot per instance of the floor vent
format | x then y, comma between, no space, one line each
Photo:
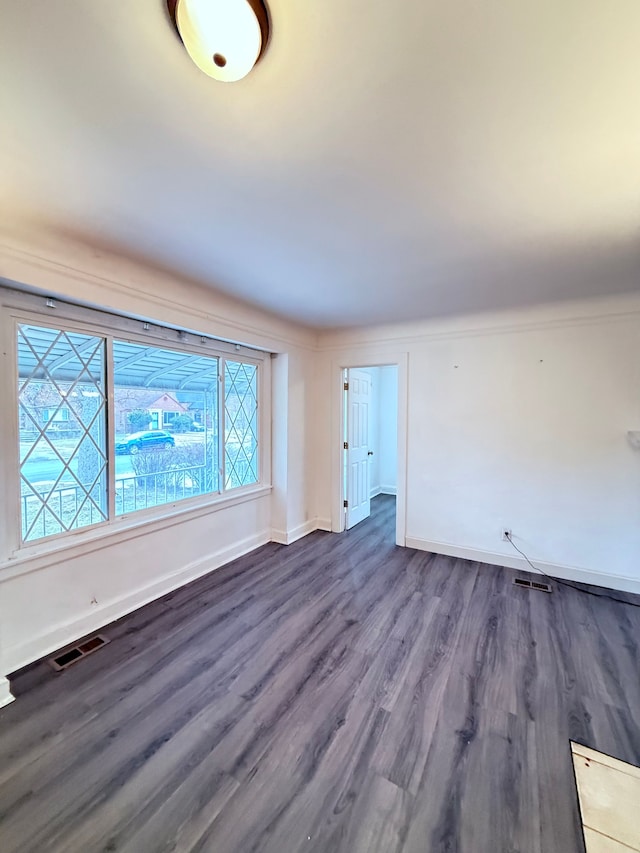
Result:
81,650
542,587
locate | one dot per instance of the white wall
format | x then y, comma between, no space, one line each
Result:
46,603
388,428
46,600
518,420
293,457
383,429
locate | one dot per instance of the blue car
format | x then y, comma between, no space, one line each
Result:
156,439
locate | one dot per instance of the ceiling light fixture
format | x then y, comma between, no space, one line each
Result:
225,38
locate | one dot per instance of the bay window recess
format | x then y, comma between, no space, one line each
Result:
110,427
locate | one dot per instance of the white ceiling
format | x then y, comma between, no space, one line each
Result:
384,161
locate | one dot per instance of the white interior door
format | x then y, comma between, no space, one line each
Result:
358,414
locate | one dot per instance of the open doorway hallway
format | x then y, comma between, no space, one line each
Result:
370,460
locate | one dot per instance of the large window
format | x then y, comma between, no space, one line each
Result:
109,426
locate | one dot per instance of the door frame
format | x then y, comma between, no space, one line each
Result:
401,361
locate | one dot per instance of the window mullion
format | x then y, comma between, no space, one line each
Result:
222,423
110,431
10,509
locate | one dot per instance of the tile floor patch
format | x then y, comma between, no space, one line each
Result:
609,794
597,843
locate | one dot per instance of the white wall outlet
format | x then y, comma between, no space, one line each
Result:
505,533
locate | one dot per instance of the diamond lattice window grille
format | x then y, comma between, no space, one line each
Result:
63,460
241,424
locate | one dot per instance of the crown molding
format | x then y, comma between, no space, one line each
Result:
36,269
541,318
43,269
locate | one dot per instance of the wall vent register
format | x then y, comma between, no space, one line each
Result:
527,584
72,655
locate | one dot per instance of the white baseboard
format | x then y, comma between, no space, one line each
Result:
283,537
5,693
570,573
96,618
300,531
383,490
279,537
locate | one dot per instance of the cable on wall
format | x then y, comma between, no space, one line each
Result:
568,583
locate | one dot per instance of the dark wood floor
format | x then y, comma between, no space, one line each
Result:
341,694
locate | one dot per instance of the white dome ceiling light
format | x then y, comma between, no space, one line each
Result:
225,38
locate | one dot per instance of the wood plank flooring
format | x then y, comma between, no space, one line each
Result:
339,694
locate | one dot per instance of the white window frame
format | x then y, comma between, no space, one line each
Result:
17,307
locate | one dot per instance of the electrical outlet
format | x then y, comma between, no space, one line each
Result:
506,534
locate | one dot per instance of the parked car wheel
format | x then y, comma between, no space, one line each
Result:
168,445
135,448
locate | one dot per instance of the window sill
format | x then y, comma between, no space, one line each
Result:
43,554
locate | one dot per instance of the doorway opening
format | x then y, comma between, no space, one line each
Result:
370,439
